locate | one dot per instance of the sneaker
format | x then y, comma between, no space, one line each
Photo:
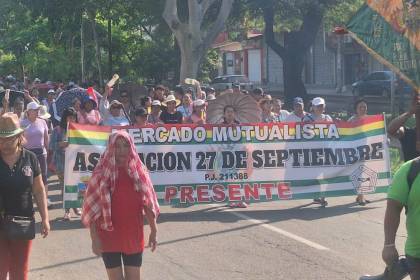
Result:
398,271
77,211
321,200
242,204
318,200
49,203
238,205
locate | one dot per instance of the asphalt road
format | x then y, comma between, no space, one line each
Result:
273,240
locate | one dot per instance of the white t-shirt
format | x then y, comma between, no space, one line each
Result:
313,118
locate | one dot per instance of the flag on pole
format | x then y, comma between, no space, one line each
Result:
390,31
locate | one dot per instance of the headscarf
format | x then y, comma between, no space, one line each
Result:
97,202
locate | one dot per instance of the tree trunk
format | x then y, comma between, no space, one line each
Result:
192,38
191,56
97,49
293,51
292,77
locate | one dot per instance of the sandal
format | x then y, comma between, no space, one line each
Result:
77,211
67,216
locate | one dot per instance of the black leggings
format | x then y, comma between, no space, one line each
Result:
113,259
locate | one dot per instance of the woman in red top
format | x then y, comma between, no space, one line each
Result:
119,193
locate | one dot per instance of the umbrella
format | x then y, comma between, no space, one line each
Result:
66,98
246,108
12,96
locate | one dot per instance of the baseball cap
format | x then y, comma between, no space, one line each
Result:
258,91
199,102
141,112
298,100
32,106
156,103
318,101
51,91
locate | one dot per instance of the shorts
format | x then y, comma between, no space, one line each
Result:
113,259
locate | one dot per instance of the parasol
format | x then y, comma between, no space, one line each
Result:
246,108
12,96
66,98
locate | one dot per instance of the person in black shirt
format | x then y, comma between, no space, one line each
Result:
21,179
407,136
171,115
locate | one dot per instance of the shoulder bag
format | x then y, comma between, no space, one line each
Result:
18,227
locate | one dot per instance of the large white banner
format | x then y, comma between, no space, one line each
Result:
250,162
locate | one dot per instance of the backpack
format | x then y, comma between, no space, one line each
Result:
412,174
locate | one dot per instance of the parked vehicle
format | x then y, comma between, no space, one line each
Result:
379,83
225,82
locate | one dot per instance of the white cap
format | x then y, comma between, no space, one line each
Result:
198,102
156,103
32,106
318,101
51,91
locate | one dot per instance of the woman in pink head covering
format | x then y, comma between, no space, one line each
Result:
119,194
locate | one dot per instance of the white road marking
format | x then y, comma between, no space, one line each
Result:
281,231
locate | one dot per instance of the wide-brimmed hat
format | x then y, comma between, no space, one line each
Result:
171,98
43,112
9,125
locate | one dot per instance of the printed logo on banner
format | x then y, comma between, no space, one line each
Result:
364,180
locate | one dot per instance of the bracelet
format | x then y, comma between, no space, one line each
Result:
389,245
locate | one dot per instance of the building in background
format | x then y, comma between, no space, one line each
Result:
334,62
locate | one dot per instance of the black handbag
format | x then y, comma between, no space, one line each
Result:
19,228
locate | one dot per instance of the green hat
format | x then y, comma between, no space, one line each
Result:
9,125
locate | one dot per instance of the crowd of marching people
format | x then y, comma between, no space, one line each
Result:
120,192
45,129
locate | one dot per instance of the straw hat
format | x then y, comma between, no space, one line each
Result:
9,125
43,112
171,98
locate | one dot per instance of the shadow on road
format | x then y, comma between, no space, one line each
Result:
301,212
63,263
